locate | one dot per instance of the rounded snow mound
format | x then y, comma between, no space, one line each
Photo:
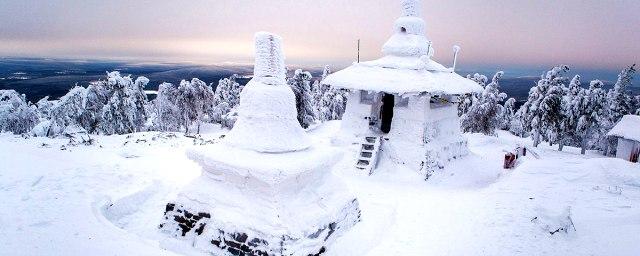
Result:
267,120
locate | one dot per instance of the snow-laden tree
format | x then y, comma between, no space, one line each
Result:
467,100
484,114
620,100
16,114
95,97
508,114
319,90
195,98
332,105
593,111
300,84
125,111
516,125
532,110
67,111
44,107
329,102
620,103
572,103
552,116
167,115
226,99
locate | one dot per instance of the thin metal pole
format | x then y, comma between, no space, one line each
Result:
358,50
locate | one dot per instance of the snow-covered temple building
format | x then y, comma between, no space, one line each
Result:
404,105
627,132
266,189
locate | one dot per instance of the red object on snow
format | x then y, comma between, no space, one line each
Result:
510,160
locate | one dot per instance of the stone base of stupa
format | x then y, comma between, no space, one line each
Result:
250,203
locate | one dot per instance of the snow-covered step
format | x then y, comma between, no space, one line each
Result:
367,158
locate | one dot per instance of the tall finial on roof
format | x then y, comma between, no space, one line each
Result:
411,8
269,67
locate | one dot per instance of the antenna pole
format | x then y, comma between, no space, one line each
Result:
358,50
456,50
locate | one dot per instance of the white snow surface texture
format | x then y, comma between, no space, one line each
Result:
628,128
108,199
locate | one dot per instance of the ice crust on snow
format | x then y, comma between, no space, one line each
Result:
628,128
267,116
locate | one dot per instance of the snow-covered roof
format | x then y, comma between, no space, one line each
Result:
628,128
402,75
407,66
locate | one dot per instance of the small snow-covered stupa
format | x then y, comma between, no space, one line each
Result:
627,132
404,104
265,189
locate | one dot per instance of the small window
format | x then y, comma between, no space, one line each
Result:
440,101
367,97
402,102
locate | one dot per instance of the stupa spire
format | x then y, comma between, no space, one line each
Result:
409,38
267,117
411,8
269,60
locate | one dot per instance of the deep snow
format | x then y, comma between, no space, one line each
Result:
108,199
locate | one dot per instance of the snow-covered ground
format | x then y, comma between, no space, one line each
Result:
107,199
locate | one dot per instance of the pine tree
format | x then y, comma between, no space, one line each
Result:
16,114
95,97
508,114
620,100
195,97
532,110
67,111
466,100
593,114
300,84
125,111
572,104
620,103
484,114
552,116
226,98
167,116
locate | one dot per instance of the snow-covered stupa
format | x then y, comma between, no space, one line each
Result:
265,189
404,105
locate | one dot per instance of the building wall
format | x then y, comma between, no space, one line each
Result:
443,137
625,148
355,122
423,136
406,138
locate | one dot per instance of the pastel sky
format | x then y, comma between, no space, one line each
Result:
585,33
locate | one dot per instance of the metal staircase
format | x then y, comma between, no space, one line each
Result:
368,156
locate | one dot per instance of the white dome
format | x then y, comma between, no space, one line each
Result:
409,38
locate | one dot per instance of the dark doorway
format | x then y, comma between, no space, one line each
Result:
386,112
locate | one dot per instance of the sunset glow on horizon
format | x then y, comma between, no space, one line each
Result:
594,34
